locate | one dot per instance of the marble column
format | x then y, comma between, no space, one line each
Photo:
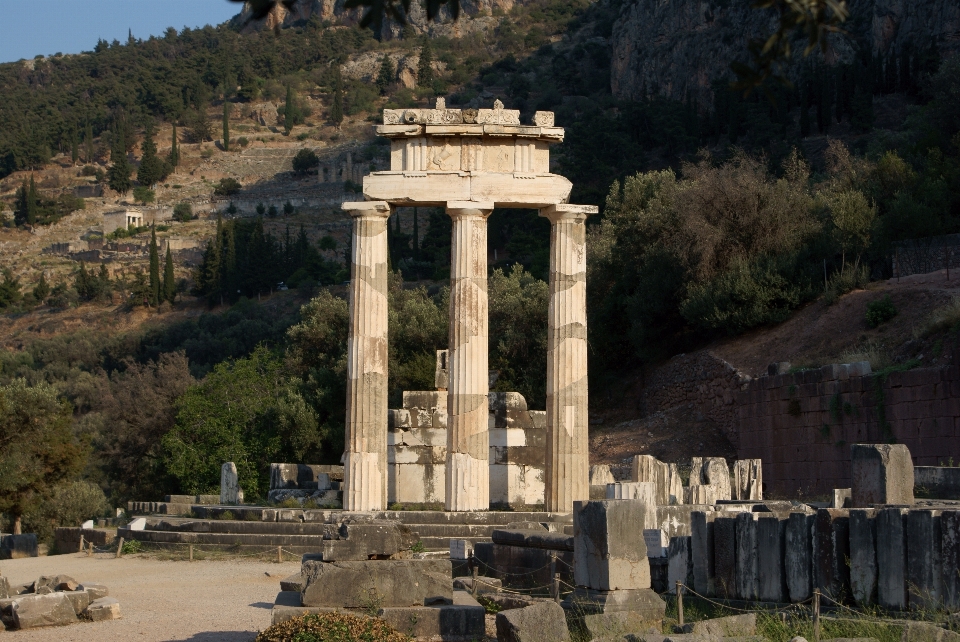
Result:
567,462
365,456
468,471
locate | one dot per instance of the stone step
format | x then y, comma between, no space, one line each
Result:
237,527
313,542
443,543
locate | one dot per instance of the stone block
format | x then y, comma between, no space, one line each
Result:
924,632
67,540
600,475
543,622
106,608
724,627
924,559
703,495
747,562
390,582
534,538
56,583
831,551
484,584
863,556
462,620
4,588
891,525
292,583
701,544
378,536
138,524
798,556
646,468
645,492
96,591
725,556
643,601
680,564
748,479
460,549
230,491
618,624
881,474
771,535
656,541
33,611
950,549
14,547
80,600
842,498
610,550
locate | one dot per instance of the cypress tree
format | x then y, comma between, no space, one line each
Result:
81,283
119,172
386,76
152,169
289,111
74,147
226,125
88,144
169,285
154,269
425,65
174,150
805,112
42,290
336,108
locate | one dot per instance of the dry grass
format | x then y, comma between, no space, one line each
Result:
332,627
944,318
873,351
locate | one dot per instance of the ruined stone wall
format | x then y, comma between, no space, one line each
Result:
802,425
702,379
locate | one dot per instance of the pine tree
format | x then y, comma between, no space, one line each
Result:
154,269
174,150
81,283
425,65
386,76
88,144
152,168
42,290
169,284
226,125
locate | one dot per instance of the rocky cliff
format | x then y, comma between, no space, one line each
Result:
475,15
678,48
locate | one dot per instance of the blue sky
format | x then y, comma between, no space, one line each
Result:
45,27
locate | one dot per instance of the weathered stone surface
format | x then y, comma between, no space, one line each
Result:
610,550
647,468
618,623
680,565
106,608
863,556
831,552
657,541
881,474
484,584
18,546
378,537
950,549
771,536
748,571
798,556
724,627
32,611
891,524
701,543
96,591
57,583
842,498
940,482
600,475
79,599
924,632
534,539
395,582
725,556
643,601
67,540
4,587
230,491
292,583
924,559
748,479
544,622
462,620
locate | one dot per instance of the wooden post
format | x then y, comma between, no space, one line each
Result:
89,549
191,552
816,615
80,550
279,555
475,585
679,604
120,548
556,587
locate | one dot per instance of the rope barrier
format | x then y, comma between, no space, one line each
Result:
734,608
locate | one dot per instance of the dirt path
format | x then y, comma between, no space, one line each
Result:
203,601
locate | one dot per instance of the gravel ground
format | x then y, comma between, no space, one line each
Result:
202,601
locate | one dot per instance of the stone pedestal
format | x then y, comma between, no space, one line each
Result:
230,491
610,552
567,442
468,448
365,456
881,474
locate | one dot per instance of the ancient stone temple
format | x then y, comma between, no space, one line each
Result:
467,161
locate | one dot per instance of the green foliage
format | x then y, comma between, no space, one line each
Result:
143,195
305,160
174,158
880,311
226,125
425,73
37,447
9,289
131,547
153,169
332,627
182,212
92,287
227,187
154,269
169,289
30,208
387,74
244,412
69,504
41,290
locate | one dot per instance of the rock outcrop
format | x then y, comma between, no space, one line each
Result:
678,49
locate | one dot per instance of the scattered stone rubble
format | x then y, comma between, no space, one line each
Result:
54,600
302,482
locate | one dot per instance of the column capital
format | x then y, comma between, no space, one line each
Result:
568,211
465,208
373,209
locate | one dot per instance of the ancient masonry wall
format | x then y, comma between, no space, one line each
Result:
802,425
704,380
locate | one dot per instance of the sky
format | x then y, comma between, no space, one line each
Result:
46,27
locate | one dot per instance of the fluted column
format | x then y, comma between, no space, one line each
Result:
567,461
365,456
468,471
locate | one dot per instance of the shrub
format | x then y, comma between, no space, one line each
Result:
944,318
69,504
880,311
88,170
305,160
332,627
242,141
183,212
143,194
227,187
